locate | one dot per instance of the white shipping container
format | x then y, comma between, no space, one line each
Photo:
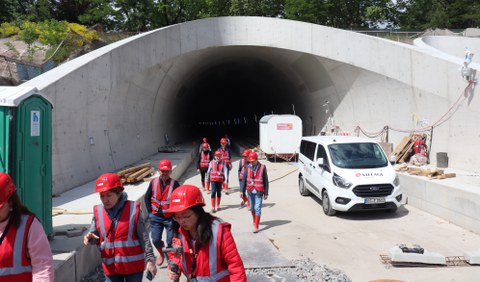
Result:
280,135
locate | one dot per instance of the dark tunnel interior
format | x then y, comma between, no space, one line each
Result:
230,97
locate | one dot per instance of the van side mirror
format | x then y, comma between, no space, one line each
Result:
393,159
321,162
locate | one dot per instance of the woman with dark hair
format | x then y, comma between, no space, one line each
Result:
24,248
208,250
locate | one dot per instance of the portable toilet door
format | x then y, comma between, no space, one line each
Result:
32,157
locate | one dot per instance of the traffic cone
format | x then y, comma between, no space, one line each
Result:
256,222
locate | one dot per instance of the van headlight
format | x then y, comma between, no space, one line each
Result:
396,182
340,181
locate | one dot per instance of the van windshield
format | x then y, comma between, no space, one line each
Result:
358,155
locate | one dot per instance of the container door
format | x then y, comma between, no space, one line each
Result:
33,166
4,139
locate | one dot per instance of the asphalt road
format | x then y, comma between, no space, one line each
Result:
352,242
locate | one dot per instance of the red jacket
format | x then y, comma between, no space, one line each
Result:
15,242
223,264
120,248
255,181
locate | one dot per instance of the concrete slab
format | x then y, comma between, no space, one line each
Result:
398,256
472,257
258,252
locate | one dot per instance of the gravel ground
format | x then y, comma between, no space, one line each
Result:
304,270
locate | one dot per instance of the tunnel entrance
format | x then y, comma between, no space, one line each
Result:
230,95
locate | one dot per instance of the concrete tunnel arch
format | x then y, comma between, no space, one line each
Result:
114,105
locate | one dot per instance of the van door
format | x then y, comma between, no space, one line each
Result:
321,175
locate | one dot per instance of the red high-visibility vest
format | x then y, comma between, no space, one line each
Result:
160,199
215,271
243,163
225,156
216,171
14,263
204,160
120,249
255,181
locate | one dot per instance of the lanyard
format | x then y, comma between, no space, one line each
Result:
5,232
114,222
195,254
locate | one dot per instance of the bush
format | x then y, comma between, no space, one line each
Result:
8,29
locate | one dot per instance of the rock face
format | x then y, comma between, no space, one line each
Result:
10,55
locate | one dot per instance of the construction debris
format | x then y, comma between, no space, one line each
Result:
137,173
433,173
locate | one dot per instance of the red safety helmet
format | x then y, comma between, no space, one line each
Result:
218,153
252,157
108,181
7,188
164,165
223,141
205,146
184,197
246,153
204,140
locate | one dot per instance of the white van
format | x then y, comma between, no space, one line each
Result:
347,174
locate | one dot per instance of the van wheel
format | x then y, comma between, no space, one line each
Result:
301,187
327,206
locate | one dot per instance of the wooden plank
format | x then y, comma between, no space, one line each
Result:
132,177
407,153
143,175
133,169
400,147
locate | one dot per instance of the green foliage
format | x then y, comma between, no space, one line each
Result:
8,29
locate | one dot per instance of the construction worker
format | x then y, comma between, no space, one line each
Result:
25,253
119,231
204,159
241,171
157,201
217,174
227,160
204,141
208,249
255,183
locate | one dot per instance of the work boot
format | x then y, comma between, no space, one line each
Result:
203,186
253,217
213,205
255,224
218,203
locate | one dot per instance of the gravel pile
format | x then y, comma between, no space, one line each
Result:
304,270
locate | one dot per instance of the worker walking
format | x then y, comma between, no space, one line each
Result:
227,160
25,253
241,171
204,141
255,183
119,231
207,248
157,200
217,174
204,159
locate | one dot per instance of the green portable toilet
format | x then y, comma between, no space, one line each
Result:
26,148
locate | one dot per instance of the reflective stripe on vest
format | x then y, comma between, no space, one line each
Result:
255,181
215,275
18,266
226,157
204,160
216,173
115,252
157,197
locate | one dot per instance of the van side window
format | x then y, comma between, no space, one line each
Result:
307,149
321,153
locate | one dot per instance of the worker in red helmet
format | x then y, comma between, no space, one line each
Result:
217,174
208,249
255,184
119,231
25,253
157,201
204,159
204,142
227,160
241,171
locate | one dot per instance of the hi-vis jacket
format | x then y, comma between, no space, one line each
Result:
217,261
226,156
205,158
161,200
241,169
120,248
255,177
217,172
14,263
